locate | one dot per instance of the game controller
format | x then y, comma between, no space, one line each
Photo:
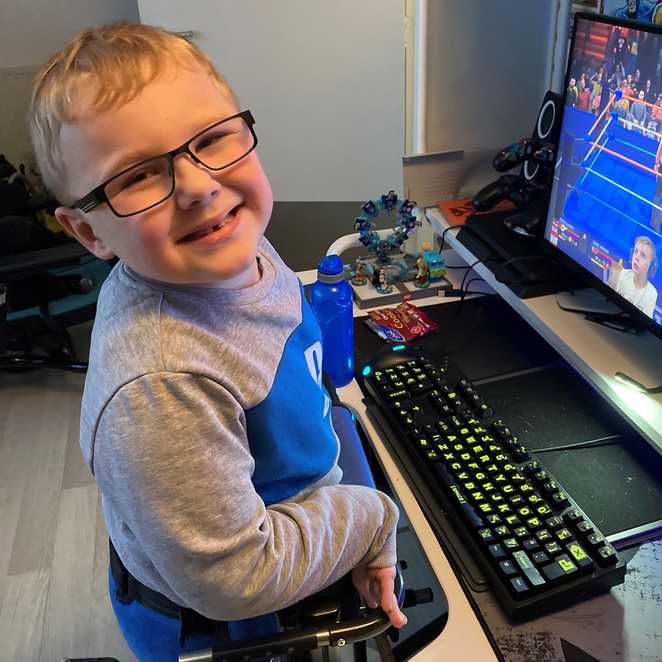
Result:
508,187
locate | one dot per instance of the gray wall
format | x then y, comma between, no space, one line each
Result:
487,70
30,32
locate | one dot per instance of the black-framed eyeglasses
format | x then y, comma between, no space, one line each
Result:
150,182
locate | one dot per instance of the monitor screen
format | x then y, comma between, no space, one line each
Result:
605,211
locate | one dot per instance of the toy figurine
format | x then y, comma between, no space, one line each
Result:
361,275
423,274
389,200
379,281
370,208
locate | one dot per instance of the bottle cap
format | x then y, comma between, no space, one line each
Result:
330,269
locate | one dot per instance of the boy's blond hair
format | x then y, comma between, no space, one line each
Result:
107,66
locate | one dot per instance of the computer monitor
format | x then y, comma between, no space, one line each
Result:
605,211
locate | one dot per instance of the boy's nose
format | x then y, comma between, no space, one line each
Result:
194,184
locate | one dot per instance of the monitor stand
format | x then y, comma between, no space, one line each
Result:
586,301
596,308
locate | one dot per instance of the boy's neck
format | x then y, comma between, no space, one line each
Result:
640,280
247,278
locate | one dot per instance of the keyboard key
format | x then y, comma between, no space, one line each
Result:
520,587
573,516
607,555
553,547
486,535
530,544
554,523
543,536
578,554
560,499
550,487
497,551
563,535
539,558
528,569
520,453
507,568
521,532
584,528
534,523
561,568
460,499
510,543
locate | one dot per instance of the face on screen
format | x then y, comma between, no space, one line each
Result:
606,205
642,256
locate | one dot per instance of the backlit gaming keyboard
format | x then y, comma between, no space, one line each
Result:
534,544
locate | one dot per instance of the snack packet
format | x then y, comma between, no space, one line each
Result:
401,324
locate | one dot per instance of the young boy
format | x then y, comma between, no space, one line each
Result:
203,418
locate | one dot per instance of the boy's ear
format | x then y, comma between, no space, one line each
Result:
74,224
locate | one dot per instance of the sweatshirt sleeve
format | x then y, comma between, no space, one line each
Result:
171,452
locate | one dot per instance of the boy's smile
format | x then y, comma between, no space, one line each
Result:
157,243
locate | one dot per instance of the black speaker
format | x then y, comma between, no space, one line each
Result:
547,129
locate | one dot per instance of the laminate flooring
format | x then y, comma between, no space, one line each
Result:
53,541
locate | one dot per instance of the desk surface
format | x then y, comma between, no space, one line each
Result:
625,624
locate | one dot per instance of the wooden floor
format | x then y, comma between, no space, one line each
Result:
53,542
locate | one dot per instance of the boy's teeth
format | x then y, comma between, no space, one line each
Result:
202,233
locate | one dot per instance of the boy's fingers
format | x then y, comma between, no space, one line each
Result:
389,602
362,584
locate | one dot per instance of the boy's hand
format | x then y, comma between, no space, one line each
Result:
376,586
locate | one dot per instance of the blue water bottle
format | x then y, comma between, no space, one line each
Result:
331,299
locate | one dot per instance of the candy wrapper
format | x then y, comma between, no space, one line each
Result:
401,324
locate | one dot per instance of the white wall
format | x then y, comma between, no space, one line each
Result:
324,80
30,32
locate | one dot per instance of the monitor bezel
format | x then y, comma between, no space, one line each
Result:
545,245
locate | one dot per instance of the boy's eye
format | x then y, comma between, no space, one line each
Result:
209,140
138,177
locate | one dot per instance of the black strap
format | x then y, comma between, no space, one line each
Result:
191,622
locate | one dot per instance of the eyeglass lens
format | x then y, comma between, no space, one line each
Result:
151,182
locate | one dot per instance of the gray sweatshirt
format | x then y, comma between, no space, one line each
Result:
207,427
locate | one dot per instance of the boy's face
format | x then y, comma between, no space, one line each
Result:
168,112
641,258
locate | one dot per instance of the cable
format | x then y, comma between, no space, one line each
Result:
443,234
467,291
609,440
473,264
